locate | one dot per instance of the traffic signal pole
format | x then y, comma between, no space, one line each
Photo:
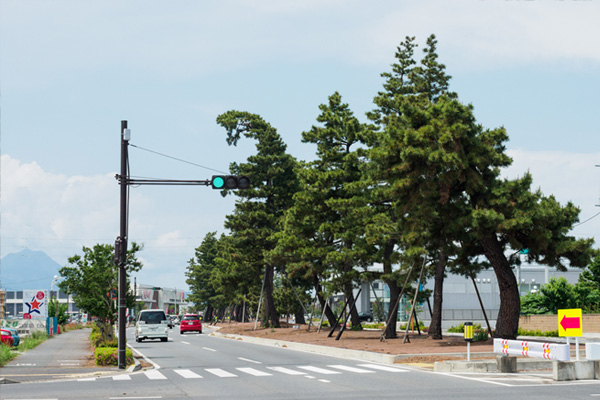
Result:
227,182
121,248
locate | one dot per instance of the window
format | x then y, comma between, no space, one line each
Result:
152,317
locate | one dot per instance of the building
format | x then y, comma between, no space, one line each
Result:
168,299
460,300
13,305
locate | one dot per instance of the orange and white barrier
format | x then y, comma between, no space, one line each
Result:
548,351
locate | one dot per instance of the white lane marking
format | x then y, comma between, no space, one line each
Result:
324,380
156,366
352,369
68,364
220,373
254,372
247,359
286,371
121,378
310,377
320,370
382,368
154,375
208,348
131,398
184,342
186,373
86,380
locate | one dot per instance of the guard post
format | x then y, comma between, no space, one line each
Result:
468,338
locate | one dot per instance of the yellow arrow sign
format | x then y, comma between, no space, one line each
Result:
569,322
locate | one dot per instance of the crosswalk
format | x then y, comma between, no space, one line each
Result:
308,371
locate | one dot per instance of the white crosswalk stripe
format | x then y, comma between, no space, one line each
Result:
221,373
254,372
187,374
287,371
154,375
352,369
319,370
307,371
382,368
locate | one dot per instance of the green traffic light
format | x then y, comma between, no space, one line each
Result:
218,182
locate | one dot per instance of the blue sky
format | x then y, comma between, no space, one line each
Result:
70,71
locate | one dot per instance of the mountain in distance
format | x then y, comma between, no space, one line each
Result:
27,269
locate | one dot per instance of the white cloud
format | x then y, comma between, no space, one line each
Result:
40,42
59,214
54,212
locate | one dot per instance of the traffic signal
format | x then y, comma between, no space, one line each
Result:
228,182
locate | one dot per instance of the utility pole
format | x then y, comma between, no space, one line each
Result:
121,246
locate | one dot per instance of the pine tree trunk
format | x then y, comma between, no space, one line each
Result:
507,323
435,328
271,316
390,332
300,317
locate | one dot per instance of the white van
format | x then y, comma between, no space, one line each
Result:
151,324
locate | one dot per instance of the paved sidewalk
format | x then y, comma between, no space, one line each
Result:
65,356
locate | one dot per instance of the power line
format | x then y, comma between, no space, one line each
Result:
178,159
589,219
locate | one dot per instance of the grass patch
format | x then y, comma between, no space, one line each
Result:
6,354
10,353
33,341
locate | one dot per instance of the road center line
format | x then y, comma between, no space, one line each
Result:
247,359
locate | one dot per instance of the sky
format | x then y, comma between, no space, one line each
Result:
71,71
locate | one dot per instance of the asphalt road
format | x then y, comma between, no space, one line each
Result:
197,366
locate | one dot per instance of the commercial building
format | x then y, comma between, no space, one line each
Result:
460,301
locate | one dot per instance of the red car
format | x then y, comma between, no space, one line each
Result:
6,337
190,322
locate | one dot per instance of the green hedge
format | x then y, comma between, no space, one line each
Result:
523,332
110,356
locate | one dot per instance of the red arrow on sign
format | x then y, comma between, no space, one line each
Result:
570,323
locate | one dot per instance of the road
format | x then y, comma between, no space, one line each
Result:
198,366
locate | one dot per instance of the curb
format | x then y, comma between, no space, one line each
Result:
313,348
135,367
331,351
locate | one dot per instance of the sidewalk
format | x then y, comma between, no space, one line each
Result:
64,356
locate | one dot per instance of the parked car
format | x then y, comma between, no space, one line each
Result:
15,336
151,324
6,337
190,323
365,316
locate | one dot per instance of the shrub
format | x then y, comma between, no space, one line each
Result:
110,356
461,328
522,332
480,335
108,343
